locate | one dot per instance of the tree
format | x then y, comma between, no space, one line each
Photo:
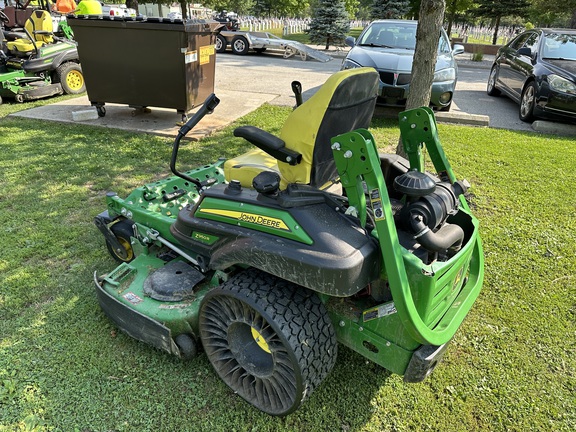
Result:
280,7
238,6
389,9
496,9
431,15
330,23
554,12
453,9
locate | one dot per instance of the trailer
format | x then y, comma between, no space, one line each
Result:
240,42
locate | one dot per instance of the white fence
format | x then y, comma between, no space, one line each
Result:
289,25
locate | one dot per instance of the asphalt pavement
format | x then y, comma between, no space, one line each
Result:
244,83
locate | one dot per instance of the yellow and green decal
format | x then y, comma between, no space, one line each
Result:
257,219
276,222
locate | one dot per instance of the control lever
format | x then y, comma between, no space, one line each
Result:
207,107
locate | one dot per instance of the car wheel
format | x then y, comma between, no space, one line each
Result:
240,45
527,102
270,341
491,88
221,44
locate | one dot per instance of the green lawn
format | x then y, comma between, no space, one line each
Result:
64,366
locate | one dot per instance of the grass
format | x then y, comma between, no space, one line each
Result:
64,366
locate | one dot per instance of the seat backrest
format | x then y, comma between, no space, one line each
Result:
10,12
40,20
344,103
22,15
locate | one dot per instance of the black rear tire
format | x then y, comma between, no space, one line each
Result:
269,340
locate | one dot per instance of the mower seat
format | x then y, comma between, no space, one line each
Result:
302,154
39,29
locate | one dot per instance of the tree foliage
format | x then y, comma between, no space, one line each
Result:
456,8
557,13
238,6
389,9
280,8
330,23
497,9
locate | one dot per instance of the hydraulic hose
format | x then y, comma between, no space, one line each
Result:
448,238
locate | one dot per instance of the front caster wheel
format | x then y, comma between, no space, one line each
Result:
187,346
122,230
270,341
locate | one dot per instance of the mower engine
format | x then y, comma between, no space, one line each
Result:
424,210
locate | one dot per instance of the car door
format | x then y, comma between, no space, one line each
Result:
522,64
507,59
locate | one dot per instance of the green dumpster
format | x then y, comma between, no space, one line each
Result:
150,62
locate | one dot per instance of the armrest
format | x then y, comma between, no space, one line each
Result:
269,143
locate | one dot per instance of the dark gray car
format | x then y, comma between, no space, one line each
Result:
388,46
537,69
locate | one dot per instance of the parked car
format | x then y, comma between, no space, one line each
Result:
388,46
537,69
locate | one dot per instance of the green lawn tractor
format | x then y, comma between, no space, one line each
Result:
38,65
268,260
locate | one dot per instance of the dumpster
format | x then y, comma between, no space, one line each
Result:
146,62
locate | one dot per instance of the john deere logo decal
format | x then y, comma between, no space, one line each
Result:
250,218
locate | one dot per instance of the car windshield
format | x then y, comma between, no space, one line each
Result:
395,35
390,35
559,46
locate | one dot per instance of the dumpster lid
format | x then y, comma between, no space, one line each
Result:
193,25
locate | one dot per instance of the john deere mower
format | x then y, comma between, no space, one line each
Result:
38,65
269,260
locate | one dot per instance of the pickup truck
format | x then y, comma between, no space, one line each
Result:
118,10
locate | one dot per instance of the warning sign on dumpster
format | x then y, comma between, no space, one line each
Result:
190,57
205,53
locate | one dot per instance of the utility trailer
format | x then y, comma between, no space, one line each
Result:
240,42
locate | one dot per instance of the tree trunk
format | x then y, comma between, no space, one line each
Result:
427,35
451,8
184,7
496,28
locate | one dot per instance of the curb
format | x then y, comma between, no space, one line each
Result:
441,116
462,118
552,128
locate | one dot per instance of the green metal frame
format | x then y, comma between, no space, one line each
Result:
418,290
